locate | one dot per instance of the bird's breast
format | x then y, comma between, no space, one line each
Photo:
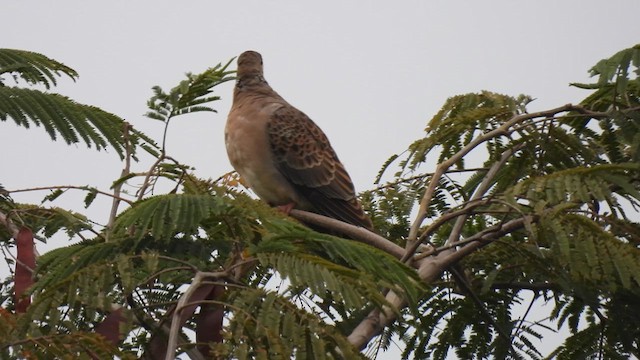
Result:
250,153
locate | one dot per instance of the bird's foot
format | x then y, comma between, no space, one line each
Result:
286,208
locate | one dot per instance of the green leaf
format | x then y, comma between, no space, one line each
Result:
91,195
53,195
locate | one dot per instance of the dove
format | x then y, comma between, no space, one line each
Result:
282,155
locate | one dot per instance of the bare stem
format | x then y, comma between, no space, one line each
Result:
424,175
9,225
77,187
444,218
117,190
481,190
176,322
147,179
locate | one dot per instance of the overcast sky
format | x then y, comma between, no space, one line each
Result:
370,74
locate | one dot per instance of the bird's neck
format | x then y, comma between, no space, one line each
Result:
251,80
253,86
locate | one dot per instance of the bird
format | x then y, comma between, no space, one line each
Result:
282,155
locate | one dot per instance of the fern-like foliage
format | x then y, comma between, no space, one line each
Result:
600,183
165,215
32,67
460,120
49,221
60,116
271,327
614,74
63,346
589,255
389,207
320,260
191,95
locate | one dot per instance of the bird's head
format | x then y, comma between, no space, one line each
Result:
249,64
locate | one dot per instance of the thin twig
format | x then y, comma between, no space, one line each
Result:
117,190
147,179
473,243
456,231
146,182
535,287
157,274
9,225
76,187
8,257
463,213
424,175
526,313
464,284
481,190
459,243
444,218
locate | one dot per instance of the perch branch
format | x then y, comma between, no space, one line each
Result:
356,232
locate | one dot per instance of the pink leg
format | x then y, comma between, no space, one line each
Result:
286,208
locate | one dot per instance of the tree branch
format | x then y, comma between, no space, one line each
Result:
537,286
444,218
432,267
429,269
355,232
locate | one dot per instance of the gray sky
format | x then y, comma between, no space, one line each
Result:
371,74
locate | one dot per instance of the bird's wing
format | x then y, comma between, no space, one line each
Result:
305,157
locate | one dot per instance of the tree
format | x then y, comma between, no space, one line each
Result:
206,270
